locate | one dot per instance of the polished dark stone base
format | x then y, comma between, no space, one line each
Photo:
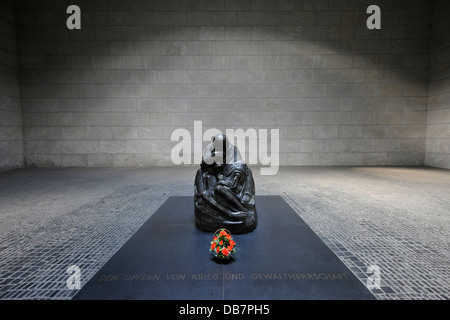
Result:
167,258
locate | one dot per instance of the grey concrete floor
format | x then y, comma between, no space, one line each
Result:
397,218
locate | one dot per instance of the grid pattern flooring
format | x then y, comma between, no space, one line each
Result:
395,218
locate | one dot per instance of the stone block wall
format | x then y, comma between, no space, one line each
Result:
438,120
112,93
11,149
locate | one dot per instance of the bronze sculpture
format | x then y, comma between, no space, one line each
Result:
224,190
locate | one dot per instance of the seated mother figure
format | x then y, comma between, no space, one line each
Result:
224,190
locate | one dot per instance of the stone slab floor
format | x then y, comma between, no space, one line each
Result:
397,218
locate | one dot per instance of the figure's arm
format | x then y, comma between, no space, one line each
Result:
249,188
199,187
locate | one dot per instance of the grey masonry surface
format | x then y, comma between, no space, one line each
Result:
112,93
395,218
438,121
11,142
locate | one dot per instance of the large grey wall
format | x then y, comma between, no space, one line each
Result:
438,129
11,148
111,93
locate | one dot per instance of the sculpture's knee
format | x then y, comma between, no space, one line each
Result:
221,190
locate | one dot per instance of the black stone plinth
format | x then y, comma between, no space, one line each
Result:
167,259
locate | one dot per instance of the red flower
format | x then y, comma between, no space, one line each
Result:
223,245
225,252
